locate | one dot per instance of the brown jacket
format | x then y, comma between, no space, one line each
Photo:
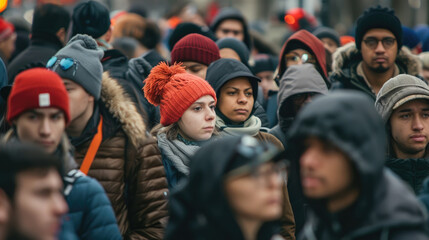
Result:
128,165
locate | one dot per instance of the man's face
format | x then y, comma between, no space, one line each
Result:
410,129
41,126
267,82
329,44
38,204
80,100
378,51
7,47
326,171
230,28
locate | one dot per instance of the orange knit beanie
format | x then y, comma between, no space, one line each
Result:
174,90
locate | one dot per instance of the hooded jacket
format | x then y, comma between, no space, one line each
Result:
127,164
311,44
385,207
296,80
199,207
221,71
347,58
235,14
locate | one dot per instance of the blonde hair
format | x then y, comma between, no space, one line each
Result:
172,130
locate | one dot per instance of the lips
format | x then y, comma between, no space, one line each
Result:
380,59
241,111
210,128
418,137
310,182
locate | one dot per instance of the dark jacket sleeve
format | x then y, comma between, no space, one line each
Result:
147,194
98,218
260,113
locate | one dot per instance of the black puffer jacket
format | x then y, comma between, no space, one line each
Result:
385,207
347,58
412,171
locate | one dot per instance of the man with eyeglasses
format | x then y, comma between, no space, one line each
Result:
230,22
341,174
377,55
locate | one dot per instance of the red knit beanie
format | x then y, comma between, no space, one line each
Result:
6,29
37,88
196,48
174,90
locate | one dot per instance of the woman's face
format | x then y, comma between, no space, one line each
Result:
257,195
236,99
198,121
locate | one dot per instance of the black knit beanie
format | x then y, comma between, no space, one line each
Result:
91,18
378,17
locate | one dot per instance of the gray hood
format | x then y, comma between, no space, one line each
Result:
298,79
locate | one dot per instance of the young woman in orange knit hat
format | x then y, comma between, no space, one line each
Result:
187,107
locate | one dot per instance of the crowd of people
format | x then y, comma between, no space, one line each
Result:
115,126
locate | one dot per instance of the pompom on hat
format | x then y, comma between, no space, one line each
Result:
174,91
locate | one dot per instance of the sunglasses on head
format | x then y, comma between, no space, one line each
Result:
65,63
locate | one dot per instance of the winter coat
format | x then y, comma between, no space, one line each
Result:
347,58
412,171
127,164
115,62
38,53
199,208
311,44
296,80
90,214
153,57
385,207
424,194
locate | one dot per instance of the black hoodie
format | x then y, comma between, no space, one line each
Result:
232,13
199,208
385,207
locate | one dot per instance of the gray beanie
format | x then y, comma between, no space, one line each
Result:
87,70
397,91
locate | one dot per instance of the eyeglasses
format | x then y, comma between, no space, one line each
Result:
257,153
372,42
65,63
304,58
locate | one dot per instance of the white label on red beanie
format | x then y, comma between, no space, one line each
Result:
44,100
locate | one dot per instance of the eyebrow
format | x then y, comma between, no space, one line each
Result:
35,111
240,89
202,103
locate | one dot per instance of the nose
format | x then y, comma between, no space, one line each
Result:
242,99
59,205
380,47
210,115
308,158
45,128
417,124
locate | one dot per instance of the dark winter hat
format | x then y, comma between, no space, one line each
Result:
235,14
197,48
37,88
91,18
325,32
267,63
397,91
378,17
225,69
238,47
410,37
186,28
48,19
79,61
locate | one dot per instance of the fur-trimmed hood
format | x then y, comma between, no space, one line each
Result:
349,55
123,106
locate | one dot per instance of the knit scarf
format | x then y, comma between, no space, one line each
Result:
177,152
250,127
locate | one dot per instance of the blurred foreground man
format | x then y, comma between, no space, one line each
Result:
350,194
31,199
